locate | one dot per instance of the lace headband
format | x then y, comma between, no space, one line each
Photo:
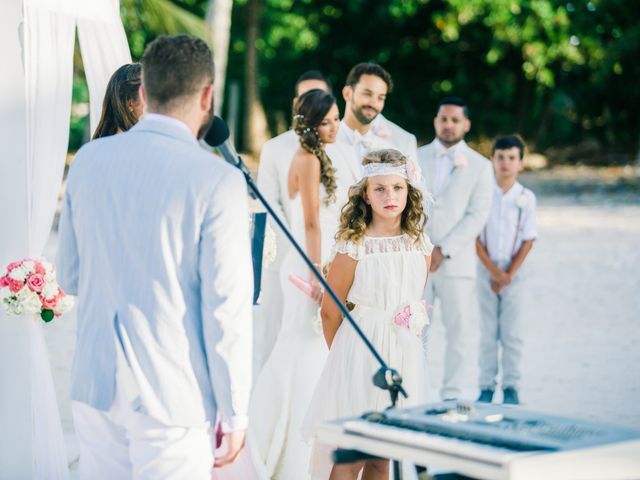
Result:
375,169
410,171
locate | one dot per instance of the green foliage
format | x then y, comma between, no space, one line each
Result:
146,19
558,72
532,66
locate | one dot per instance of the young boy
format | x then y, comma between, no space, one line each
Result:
502,247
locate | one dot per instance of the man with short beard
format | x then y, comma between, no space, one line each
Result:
461,183
363,127
154,240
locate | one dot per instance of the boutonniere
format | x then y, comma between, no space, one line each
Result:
459,160
382,131
522,201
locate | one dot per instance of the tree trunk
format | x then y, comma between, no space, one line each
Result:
219,23
255,131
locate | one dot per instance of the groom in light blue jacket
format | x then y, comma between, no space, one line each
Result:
154,240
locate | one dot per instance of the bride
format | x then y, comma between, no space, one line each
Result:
284,387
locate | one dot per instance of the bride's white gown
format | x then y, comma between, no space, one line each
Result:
283,390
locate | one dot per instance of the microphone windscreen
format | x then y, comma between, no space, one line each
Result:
218,132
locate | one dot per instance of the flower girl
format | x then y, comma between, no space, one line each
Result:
380,267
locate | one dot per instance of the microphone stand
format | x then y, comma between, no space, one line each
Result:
385,378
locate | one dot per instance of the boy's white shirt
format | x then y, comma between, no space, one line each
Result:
500,231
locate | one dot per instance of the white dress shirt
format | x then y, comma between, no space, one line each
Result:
444,165
512,220
362,144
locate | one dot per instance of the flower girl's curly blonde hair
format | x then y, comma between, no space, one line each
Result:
356,214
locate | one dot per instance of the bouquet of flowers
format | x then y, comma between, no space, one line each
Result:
30,286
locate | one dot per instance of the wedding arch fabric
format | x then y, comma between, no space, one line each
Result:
37,40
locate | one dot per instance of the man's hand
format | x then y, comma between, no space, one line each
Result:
234,441
436,259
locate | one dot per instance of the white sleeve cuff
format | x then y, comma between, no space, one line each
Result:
233,424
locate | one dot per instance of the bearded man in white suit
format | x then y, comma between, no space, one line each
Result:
461,183
154,240
363,128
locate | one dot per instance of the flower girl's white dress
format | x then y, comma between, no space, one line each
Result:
387,289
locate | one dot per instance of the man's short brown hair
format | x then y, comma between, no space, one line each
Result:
175,67
369,69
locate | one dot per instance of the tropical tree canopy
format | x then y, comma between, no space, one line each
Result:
557,72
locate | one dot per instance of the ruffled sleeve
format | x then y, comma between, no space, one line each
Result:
426,246
353,250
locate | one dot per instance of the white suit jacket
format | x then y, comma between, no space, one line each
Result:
405,142
154,240
461,208
273,174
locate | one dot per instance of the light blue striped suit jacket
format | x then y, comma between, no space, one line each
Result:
154,240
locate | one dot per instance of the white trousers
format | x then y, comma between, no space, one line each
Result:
123,444
459,307
500,329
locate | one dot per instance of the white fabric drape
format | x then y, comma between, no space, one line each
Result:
37,42
95,32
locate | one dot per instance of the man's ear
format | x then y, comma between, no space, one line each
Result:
347,91
206,98
467,125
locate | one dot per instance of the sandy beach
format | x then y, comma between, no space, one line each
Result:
582,340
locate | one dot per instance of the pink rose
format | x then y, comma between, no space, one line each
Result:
15,285
382,131
402,317
40,269
35,282
49,303
4,281
13,265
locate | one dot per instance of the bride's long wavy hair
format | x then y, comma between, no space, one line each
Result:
308,113
357,213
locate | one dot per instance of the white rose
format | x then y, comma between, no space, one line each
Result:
12,306
18,273
65,304
49,270
419,318
29,266
50,290
30,301
50,277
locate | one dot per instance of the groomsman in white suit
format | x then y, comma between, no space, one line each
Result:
363,128
154,240
273,171
460,180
